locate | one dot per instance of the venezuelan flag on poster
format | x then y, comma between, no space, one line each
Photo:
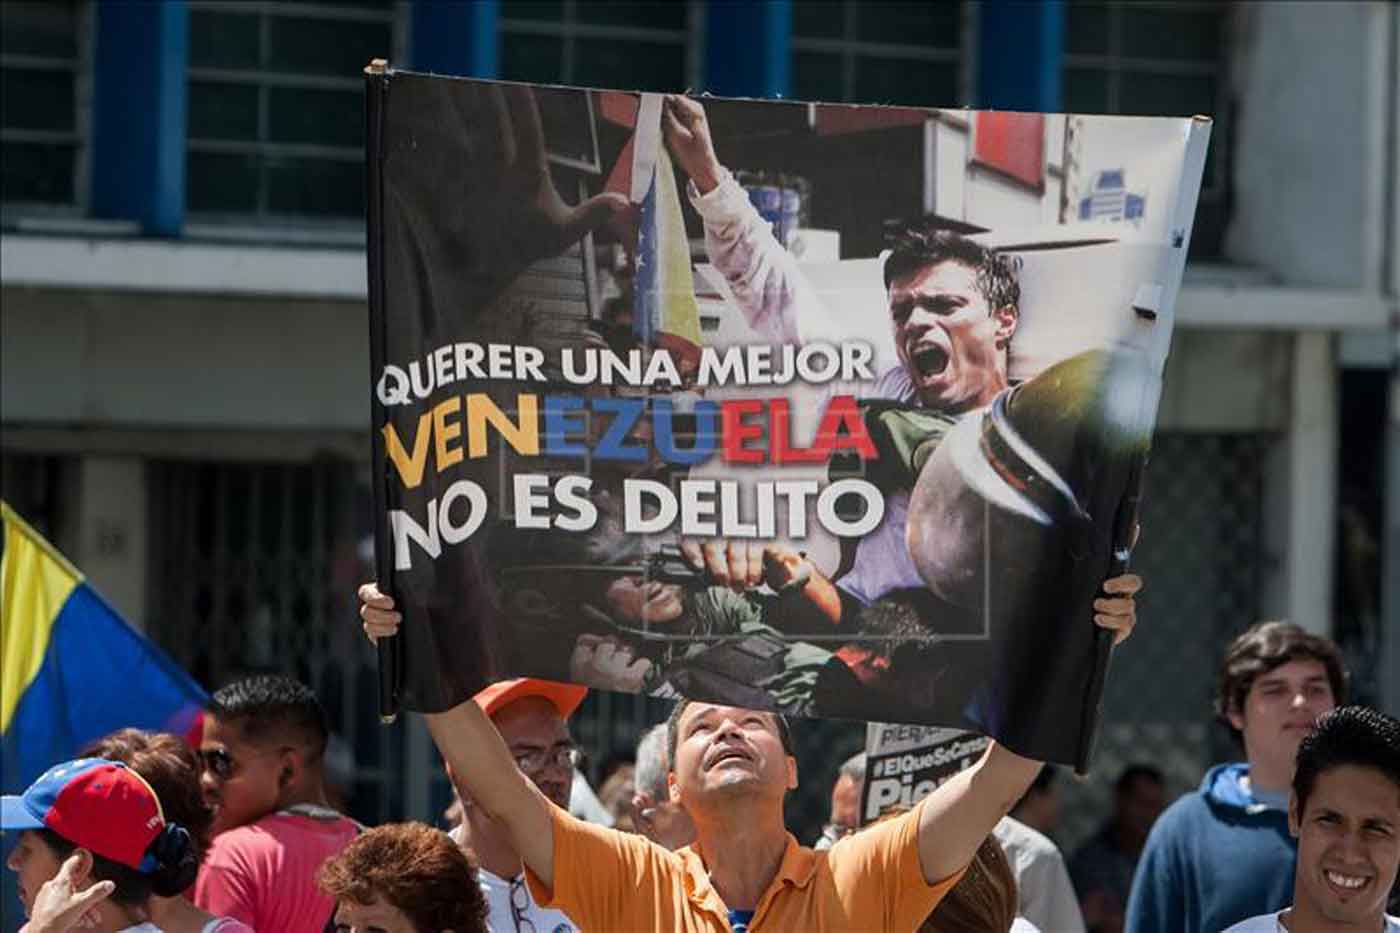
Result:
666,313
71,669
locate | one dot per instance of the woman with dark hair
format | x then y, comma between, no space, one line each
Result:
168,764
95,823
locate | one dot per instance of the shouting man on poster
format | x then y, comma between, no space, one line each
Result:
730,769
954,308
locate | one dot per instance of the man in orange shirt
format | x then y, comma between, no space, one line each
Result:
730,769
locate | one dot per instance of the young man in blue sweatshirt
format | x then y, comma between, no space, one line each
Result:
1223,853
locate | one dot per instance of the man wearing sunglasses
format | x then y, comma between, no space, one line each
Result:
531,715
262,748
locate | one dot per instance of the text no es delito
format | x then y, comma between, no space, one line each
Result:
697,507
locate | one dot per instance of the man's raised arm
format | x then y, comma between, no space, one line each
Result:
958,816
479,759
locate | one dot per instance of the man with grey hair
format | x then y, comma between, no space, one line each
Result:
662,820
845,802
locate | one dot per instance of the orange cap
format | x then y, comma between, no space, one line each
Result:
565,697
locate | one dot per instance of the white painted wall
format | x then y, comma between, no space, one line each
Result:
1314,84
135,359
111,532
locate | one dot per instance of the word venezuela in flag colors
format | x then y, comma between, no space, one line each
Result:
749,431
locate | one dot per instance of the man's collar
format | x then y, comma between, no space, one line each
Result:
798,866
697,883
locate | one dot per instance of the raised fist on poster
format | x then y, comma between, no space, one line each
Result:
687,133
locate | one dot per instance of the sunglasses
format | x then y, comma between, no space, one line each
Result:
217,762
222,765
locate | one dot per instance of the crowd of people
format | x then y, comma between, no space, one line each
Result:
231,830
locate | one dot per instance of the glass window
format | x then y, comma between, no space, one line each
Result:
224,39
818,20
43,133
528,57
276,106
600,43
899,22
915,83
620,63
887,52
818,76
1156,59
615,13
549,11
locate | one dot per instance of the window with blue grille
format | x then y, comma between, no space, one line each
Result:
879,52
44,134
276,109
601,43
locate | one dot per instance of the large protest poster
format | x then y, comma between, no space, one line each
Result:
826,409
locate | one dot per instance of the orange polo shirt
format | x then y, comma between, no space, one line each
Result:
615,881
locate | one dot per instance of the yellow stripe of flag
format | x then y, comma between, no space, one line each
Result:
680,312
35,582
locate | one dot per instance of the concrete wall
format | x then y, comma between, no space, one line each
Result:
139,360
1313,82
112,531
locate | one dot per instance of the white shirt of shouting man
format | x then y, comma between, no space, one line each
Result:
730,770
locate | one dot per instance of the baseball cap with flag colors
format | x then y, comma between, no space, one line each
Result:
99,805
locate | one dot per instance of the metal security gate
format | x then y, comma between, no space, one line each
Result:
254,569
1202,556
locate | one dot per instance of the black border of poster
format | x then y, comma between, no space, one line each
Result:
376,90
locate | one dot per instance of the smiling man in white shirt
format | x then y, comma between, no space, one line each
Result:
1345,813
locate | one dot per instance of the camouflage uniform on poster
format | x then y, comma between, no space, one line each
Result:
699,640
737,655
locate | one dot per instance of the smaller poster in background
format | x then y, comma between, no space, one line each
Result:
904,764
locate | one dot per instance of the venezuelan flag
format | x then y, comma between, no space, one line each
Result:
71,670
666,313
